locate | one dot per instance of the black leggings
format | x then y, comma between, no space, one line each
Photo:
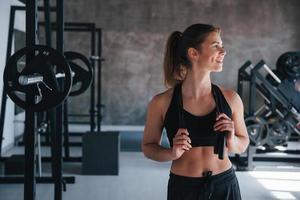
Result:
223,186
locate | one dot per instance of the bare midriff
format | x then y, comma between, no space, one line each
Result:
198,160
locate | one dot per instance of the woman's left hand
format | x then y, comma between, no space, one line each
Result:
224,123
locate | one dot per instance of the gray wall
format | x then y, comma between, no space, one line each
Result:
135,32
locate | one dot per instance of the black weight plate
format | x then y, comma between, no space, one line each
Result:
257,129
279,133
288,64
81,80
83,73
45,62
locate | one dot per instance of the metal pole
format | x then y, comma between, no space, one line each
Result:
59,110
48,30
92,109
30,120
99,106
66,131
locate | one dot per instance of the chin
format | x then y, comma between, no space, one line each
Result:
218,68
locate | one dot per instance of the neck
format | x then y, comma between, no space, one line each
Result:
196,84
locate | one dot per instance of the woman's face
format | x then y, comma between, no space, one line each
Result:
211,53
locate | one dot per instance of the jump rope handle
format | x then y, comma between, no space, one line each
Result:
219,147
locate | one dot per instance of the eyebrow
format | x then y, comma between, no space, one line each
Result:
216,42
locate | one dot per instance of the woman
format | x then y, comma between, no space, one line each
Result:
196,114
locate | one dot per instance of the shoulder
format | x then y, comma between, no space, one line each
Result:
162,99
232,97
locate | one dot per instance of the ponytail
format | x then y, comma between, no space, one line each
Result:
172,60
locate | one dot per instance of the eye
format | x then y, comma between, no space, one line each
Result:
219,46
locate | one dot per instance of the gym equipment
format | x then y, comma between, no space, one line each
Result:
100,153
83,75
280,112
43,82
90,27
95,59
288,64
279,133
258,130
282,100
14,165
287,89
28,81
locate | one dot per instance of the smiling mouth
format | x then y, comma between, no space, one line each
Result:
220,60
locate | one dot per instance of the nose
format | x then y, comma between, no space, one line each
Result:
222,51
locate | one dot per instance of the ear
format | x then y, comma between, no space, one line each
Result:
180,73
193,53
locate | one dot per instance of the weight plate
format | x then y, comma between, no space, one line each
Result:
83,76
279,133
288,64
258,129
47,93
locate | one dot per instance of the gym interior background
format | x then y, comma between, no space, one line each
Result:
133,36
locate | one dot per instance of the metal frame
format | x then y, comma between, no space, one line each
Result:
90,27
68,26
84,27
30,118
30,178
246,162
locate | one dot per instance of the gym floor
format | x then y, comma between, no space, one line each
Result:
141,178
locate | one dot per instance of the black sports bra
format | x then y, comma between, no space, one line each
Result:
200,128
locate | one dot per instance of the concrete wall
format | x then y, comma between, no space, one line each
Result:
9,128
135,32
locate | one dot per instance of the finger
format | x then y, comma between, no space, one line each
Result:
222,115
218,125
229,129
182,131
185,148
177,141
225,128
182,142
184,137
223,120
182,147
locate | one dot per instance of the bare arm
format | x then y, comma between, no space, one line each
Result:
240,140
237,139
151,144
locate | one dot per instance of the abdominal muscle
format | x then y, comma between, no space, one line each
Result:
198,160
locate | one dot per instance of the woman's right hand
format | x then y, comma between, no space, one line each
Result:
181,143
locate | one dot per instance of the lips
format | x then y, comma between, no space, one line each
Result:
219,60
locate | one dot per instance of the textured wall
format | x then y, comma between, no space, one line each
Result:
135,32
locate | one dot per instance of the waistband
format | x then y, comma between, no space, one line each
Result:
207,182
217,178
